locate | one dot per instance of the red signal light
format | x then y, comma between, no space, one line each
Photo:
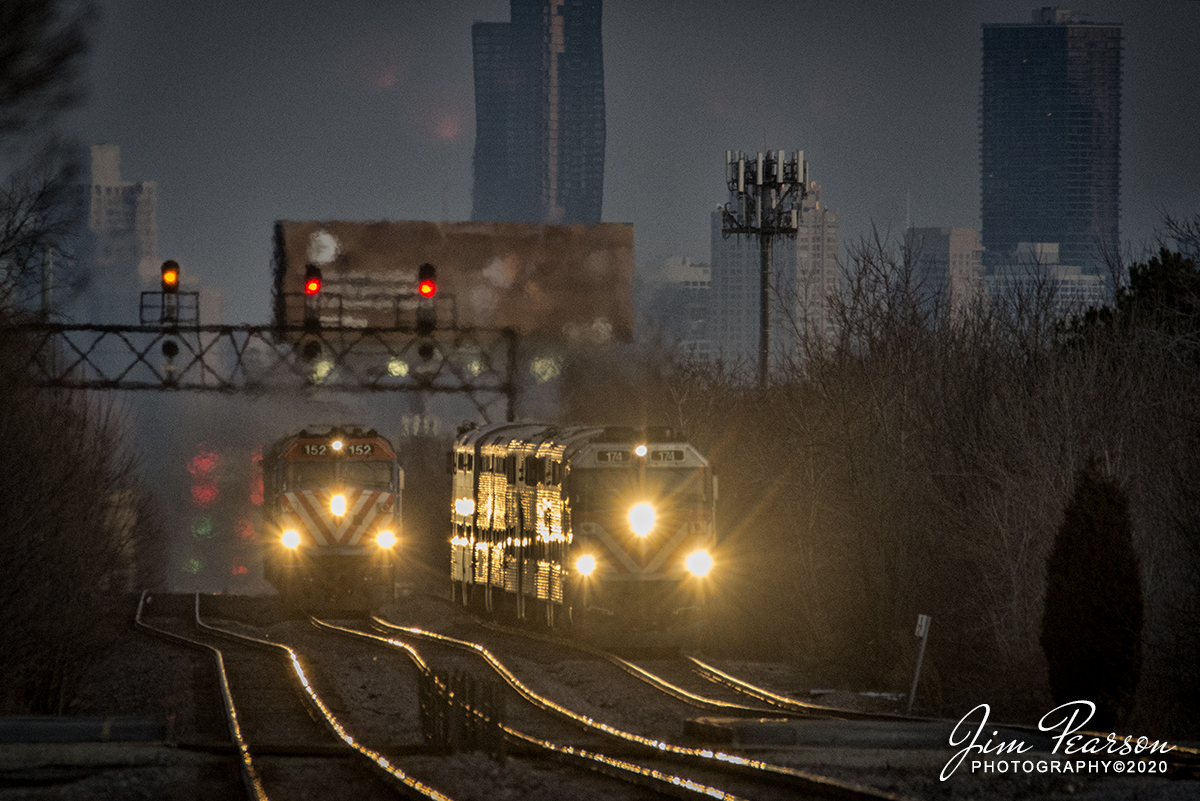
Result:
312,279
427,281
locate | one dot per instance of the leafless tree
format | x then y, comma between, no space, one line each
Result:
39,216
921,463
77,527
42,44
1183,233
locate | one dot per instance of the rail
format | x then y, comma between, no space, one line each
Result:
250,777
414,786
640,673
705,757
791,704
649,778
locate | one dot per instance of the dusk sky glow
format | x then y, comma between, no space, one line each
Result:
246,113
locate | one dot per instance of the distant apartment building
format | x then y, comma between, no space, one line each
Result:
679,305
1050,137
804,275
1036,277
117,254
539,114
817,269
948,268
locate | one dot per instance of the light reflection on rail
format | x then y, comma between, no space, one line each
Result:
640,673
336,725
596,759
822,784
790,704
250,775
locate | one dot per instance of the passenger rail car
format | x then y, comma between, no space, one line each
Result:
333,516
609,530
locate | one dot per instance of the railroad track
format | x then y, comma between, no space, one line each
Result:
589,757
771,704
646,781
676,678
275,735
648,762
752,778
787,704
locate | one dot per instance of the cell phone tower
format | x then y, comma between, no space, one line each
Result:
766,194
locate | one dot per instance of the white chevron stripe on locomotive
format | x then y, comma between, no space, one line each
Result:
664,552
312,506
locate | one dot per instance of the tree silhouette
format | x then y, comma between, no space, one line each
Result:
1092,625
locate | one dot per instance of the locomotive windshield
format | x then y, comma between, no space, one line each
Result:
370,475
303,475
365,474
679,488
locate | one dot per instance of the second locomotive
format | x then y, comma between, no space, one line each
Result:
611,530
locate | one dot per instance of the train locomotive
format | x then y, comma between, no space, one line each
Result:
609,531
332,506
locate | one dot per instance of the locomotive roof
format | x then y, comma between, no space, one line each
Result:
281,445
572,439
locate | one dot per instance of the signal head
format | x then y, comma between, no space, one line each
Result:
427,281
170,276
312,280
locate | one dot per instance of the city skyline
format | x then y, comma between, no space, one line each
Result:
368,114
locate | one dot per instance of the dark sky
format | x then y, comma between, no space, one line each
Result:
245,113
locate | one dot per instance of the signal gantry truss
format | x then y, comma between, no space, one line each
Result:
480,363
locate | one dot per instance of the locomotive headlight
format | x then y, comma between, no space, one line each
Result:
337,505
336,444
464,507
640,450
291,538
699,563
641,519
386,539
585,564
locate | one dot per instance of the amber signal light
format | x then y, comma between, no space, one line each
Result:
170,276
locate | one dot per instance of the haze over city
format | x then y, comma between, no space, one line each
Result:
365,110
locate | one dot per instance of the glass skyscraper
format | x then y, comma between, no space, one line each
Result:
539,114
1050,123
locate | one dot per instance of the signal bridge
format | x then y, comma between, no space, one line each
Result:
422,348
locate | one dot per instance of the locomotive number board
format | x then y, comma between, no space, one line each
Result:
625,456
323,449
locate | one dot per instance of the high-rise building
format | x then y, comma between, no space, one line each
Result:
804,276
948,267
539,114
817,274
1050,125
677,305
118,253
1036,279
